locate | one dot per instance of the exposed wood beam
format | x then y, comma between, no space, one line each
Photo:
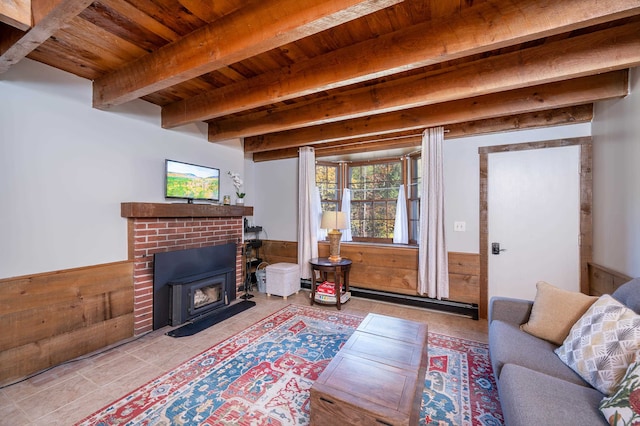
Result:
610,49
257,27
502,23
49,16
413,138
16,13
530,99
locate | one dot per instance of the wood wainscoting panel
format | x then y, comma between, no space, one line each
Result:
57,316
388,268
275,251
464,277
380,267
604,280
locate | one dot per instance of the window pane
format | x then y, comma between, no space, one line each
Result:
374,193
329,185
415,172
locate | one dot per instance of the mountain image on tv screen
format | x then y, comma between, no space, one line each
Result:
191,181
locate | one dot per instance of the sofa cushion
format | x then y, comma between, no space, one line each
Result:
510,345
623,406
629,294
554,312
530,398
602,344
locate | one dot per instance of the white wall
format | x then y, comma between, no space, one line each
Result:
66,167
616,186
276,185
462,178
276,198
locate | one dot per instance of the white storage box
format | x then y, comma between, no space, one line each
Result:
283,279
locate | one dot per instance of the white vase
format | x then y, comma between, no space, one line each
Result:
239,201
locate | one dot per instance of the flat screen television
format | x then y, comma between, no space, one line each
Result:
191,182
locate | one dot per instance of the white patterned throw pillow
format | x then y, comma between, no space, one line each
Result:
602,344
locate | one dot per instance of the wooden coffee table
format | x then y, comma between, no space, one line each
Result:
376,378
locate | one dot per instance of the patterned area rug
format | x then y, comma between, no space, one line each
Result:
262,376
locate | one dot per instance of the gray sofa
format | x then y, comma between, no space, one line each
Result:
535,386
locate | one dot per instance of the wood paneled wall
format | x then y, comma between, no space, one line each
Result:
388,268
53,317
604,280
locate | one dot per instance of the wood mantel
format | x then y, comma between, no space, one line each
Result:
131,210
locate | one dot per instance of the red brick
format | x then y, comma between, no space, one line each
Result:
167,231
159,225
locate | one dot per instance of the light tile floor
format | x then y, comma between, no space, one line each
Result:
70,392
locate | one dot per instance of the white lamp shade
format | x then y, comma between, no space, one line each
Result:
333,220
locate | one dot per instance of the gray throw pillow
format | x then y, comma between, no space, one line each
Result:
629,294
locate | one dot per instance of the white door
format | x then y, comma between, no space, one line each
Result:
534,215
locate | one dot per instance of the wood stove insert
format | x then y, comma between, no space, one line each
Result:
196,296
192,283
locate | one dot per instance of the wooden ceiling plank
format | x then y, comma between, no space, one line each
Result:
256,28
87,35
16,13
530,99
209,11
488,26
593,53
8,37
77,60
442,8
60,12
413,138
136,15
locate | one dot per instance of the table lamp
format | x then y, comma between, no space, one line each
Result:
334,221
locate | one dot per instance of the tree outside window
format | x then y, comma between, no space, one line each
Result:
374,192
328,181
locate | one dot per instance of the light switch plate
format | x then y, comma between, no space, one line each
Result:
459,226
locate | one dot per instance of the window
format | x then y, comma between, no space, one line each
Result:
413,198
374,194
328,180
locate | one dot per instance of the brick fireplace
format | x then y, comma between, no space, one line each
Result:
155,227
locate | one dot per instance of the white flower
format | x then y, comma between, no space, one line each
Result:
237,182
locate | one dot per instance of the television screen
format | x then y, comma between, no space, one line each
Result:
191,182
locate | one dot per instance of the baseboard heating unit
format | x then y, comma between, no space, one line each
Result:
460,308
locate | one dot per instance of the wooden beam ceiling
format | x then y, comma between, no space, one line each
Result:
16,13
247,32
341,75
48,18
530,99
427,43
413,138
597,52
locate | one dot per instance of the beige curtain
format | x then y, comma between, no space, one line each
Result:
433,269
307,210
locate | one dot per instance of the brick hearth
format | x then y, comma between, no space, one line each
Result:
149,235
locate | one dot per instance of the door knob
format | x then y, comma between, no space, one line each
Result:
495,248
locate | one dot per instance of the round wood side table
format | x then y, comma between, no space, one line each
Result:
340,272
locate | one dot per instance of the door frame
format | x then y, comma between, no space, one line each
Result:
585,239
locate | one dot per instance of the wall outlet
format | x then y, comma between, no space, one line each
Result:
459,226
